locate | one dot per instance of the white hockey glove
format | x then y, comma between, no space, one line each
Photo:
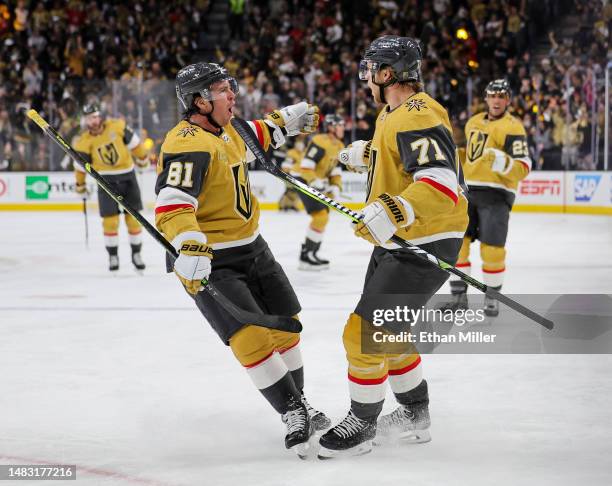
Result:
502,163
356,157
81,190
333,191
382,218
296,119
320,185
193,262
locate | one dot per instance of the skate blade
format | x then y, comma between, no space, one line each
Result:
358,450
410,437
305,449
139,271
302,450
415,437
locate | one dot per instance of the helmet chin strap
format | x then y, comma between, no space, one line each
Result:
209,116
382,86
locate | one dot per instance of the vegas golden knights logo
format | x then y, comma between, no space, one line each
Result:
476,144
242,187
108,154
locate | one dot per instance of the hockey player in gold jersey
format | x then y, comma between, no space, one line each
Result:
319,168
108,144
205,207
290,201
497,158
414,192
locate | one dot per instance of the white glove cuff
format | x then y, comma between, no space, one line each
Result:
278,138
409,211
178,240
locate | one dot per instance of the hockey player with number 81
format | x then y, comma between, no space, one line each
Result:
205,207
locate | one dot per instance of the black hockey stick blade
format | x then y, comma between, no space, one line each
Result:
520,308
253,144
283,323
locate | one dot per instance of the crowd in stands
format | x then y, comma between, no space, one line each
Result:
56,55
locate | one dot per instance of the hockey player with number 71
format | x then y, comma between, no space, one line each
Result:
414,192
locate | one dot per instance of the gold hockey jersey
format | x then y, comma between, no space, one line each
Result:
203,185
110,152
320,160
413,155
506,134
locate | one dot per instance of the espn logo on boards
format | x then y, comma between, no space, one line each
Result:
540,187
585,187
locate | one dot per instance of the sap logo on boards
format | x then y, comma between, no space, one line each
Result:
585,186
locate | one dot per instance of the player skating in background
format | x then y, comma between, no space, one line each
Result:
319,168
497,158
413,192
205,207
290,201
109,144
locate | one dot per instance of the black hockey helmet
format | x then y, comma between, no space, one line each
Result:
402,54
196,79
92,108
498,86
331,120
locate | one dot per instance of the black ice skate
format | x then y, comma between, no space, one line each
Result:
139,265
491,306
308,257
299,428
321,261
410,425
318,418
113,263
351,437
459,300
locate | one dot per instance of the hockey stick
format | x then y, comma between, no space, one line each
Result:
86,225
245,132
283,323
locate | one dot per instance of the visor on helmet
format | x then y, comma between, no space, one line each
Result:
214,92
366,67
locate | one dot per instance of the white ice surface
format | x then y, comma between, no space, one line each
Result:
123,377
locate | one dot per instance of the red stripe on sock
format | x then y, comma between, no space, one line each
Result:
463,265
367,381
251,365
408,368
494,271
110,234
